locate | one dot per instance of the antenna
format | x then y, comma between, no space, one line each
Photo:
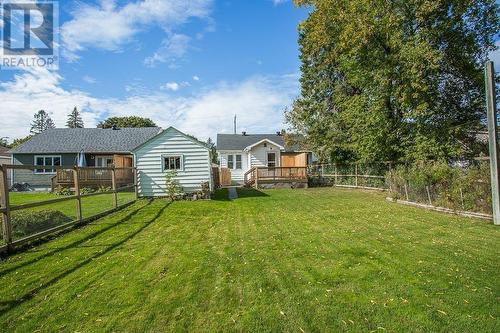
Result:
234,124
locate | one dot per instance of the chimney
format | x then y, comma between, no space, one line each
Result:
244,133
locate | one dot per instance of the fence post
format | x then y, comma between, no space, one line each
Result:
336,175
113,186
76,180
406,192
493,140
5,203
136,185
428,194
356,172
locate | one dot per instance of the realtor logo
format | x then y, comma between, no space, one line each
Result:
29,36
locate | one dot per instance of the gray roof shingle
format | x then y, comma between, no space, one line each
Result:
240,141
90,140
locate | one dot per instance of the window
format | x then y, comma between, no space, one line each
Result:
47,160
271,160
172,163
104,161
234,162
238,161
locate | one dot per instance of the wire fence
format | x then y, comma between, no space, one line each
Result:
57,198
462,186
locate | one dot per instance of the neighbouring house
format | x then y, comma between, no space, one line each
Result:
172,150
151,150
5,158
62,146
275,160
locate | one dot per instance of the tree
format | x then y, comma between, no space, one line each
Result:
213,150
389,80
41,122
124,122
4,143
20,141
75,119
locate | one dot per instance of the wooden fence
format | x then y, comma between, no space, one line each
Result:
351,176
6,208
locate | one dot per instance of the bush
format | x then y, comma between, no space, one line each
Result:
174,189
25,223
459,187
60,190
87,190
103,189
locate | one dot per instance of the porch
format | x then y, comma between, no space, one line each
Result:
276,177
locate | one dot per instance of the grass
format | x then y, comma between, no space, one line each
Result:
90,205
280,260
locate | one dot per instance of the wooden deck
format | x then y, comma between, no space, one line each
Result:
93,177
276,177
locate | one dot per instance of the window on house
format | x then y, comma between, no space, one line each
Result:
238,161
172,163
47,160
230,161
271,160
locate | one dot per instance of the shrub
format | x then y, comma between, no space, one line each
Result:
103,189
60,190
87,190
25,223
174,189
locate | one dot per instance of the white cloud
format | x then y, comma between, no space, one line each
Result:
174,86
196,78
172,48
495,57
258,102
108,26
279,2
89,79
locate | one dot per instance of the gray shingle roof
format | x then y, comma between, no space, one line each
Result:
240,141
91,140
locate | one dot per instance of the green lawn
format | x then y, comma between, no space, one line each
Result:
282,260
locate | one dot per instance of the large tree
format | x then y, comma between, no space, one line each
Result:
389,80
41,122
125,122
75,119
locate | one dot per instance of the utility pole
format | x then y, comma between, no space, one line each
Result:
234,124
493,139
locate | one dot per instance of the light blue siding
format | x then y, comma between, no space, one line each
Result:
151,176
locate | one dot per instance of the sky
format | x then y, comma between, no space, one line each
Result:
188,64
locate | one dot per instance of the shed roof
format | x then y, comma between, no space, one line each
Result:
90,140
240,141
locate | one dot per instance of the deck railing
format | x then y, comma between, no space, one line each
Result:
275,174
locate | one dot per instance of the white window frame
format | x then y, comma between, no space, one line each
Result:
42,171
275,159
235,165
163,157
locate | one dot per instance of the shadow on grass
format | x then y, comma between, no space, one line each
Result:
221,194
11,304
245,192
78,242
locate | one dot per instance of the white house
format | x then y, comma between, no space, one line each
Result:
172,150
242,152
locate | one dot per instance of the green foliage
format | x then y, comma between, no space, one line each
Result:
87,190
41,122
213,151
104,188
174,189
75,119
393,80
460,188
124,122
20,141
62,191
25,223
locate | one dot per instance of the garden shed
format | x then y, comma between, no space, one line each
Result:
172,150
